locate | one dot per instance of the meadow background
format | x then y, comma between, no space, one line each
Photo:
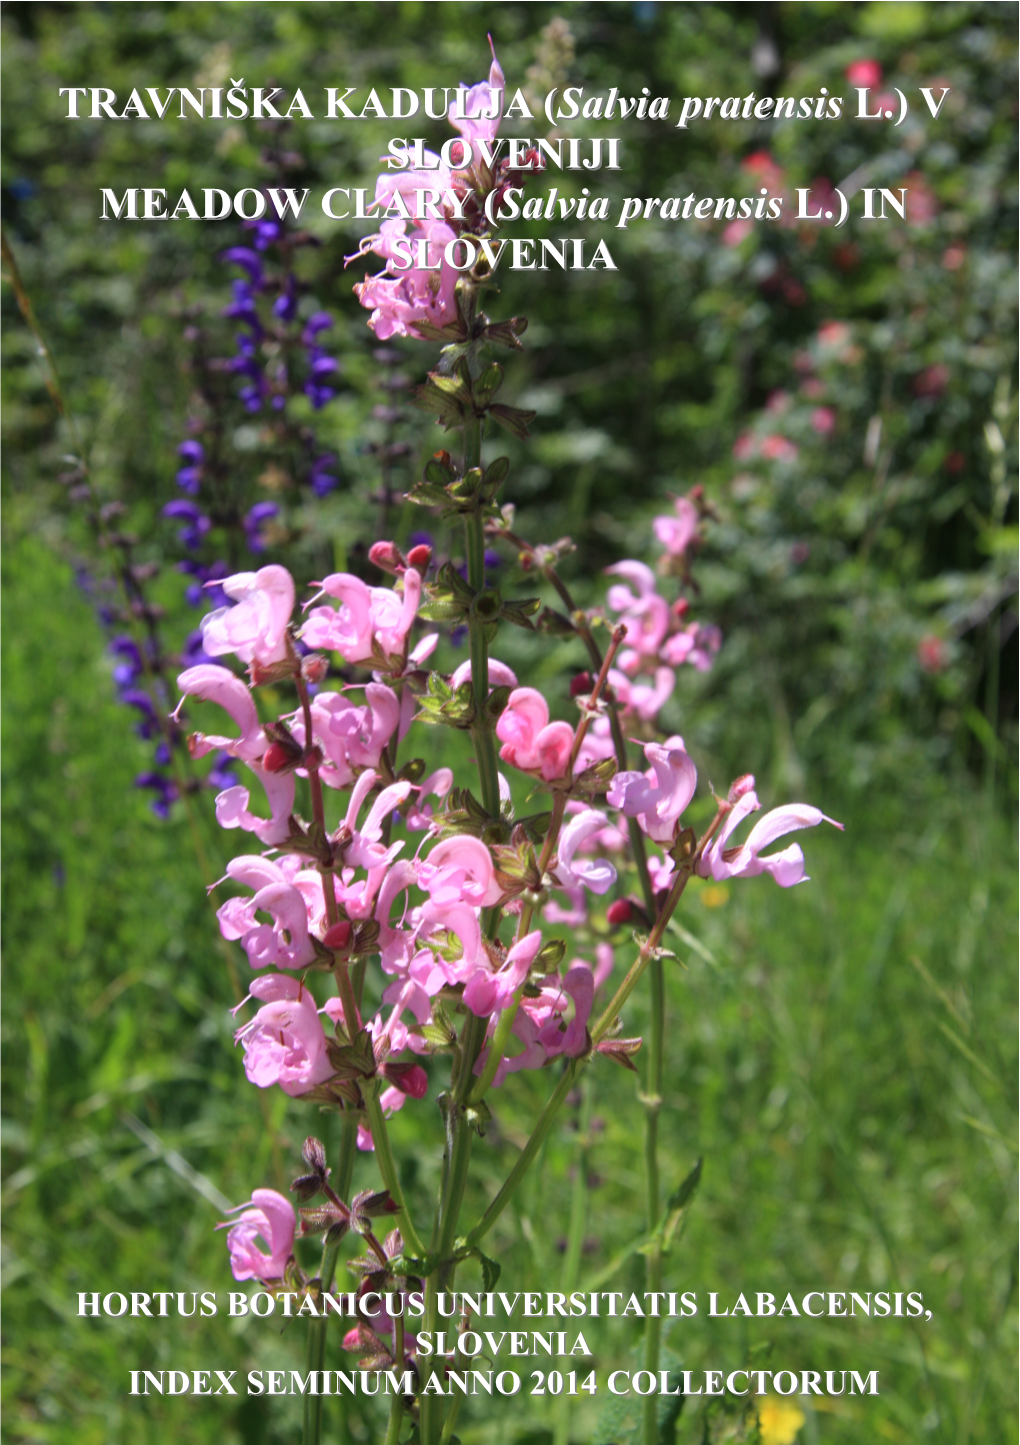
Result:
843,1056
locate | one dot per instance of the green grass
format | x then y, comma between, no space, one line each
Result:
842,1056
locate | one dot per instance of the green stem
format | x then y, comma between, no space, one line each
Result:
575,1235
388,1167
531,1148
451,1421
396,1415
652,1101
317,1328
639,965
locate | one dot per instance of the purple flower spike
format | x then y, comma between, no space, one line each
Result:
318,321
322,480
189,479
247,259
194,451
196,523
266,232
285,306
193,654
259,514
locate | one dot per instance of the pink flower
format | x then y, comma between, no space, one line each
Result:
932,382
734,232
778,449
212,683
232,807
530,741
488,991
499,675
284,1043
460,870
285,943
656,799
256,628
570,1039
677,533
823,419
786,867
371,624
477,111
401,299
695,644
269,1217
834,336
932,653
745,447
640,699
646,614
596,874
362,848
761,165
351,737
864,72
436,785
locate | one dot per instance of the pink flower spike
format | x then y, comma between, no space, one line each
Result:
269,1217
255,629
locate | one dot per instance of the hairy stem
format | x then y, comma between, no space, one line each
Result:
387,1165
652,1101
317,1328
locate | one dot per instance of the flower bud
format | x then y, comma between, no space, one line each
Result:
408,1078
388,557
581,684
621,910
420,558
314,668
443,458
740,788
276,758
339,936
680,608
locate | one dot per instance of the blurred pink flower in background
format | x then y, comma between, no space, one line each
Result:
932,653
864,72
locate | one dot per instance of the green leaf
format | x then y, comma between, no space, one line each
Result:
491,1271
513,419
520,611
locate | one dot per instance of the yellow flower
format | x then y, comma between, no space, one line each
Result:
779,1422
